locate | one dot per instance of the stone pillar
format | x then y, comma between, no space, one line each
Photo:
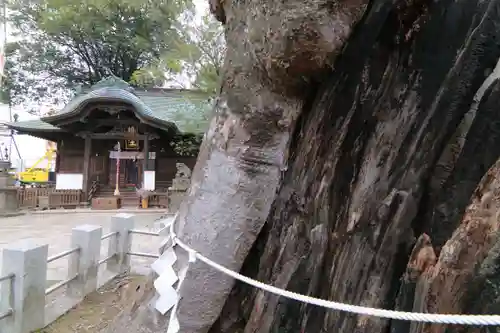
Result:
120,244
27,260
8,192
85,263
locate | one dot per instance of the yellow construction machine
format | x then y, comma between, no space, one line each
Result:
38,175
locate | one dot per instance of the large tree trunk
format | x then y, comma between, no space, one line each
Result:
355,177
370,209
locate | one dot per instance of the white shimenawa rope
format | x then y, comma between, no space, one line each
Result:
479,320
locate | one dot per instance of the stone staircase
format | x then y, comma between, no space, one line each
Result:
127,194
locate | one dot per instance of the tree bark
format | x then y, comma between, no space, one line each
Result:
348,140
370,211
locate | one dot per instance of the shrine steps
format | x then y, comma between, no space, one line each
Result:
128,196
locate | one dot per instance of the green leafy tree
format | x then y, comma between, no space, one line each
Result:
61,45
197,56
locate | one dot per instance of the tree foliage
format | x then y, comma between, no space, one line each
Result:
187,145
60,45
197,56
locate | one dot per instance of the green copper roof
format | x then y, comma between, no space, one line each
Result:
102,94
36,124
188,110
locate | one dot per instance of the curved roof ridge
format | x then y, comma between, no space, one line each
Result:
106,94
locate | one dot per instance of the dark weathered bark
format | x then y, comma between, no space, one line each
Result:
358,190
369,165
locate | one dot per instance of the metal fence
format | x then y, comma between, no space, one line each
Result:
23,303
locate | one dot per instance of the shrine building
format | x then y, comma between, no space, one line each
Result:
116,136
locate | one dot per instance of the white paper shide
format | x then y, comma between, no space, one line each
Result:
168,283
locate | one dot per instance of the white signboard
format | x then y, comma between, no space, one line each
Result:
130,155
69,181
149,180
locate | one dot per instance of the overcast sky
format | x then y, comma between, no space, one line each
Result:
30,148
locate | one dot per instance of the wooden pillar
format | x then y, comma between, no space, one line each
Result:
58,162
145,162
86,165
147,165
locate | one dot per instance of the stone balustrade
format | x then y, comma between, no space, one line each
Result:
23,275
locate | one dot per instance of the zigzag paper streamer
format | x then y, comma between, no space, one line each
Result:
167,300
168,297
168,277
166,260
164,284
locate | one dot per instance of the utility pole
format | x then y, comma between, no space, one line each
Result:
4,18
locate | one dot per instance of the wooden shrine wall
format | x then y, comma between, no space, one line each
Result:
70,155
70,160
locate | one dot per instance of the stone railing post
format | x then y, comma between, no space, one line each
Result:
27,260
84,264
121,243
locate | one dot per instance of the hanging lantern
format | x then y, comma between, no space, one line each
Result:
132,134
